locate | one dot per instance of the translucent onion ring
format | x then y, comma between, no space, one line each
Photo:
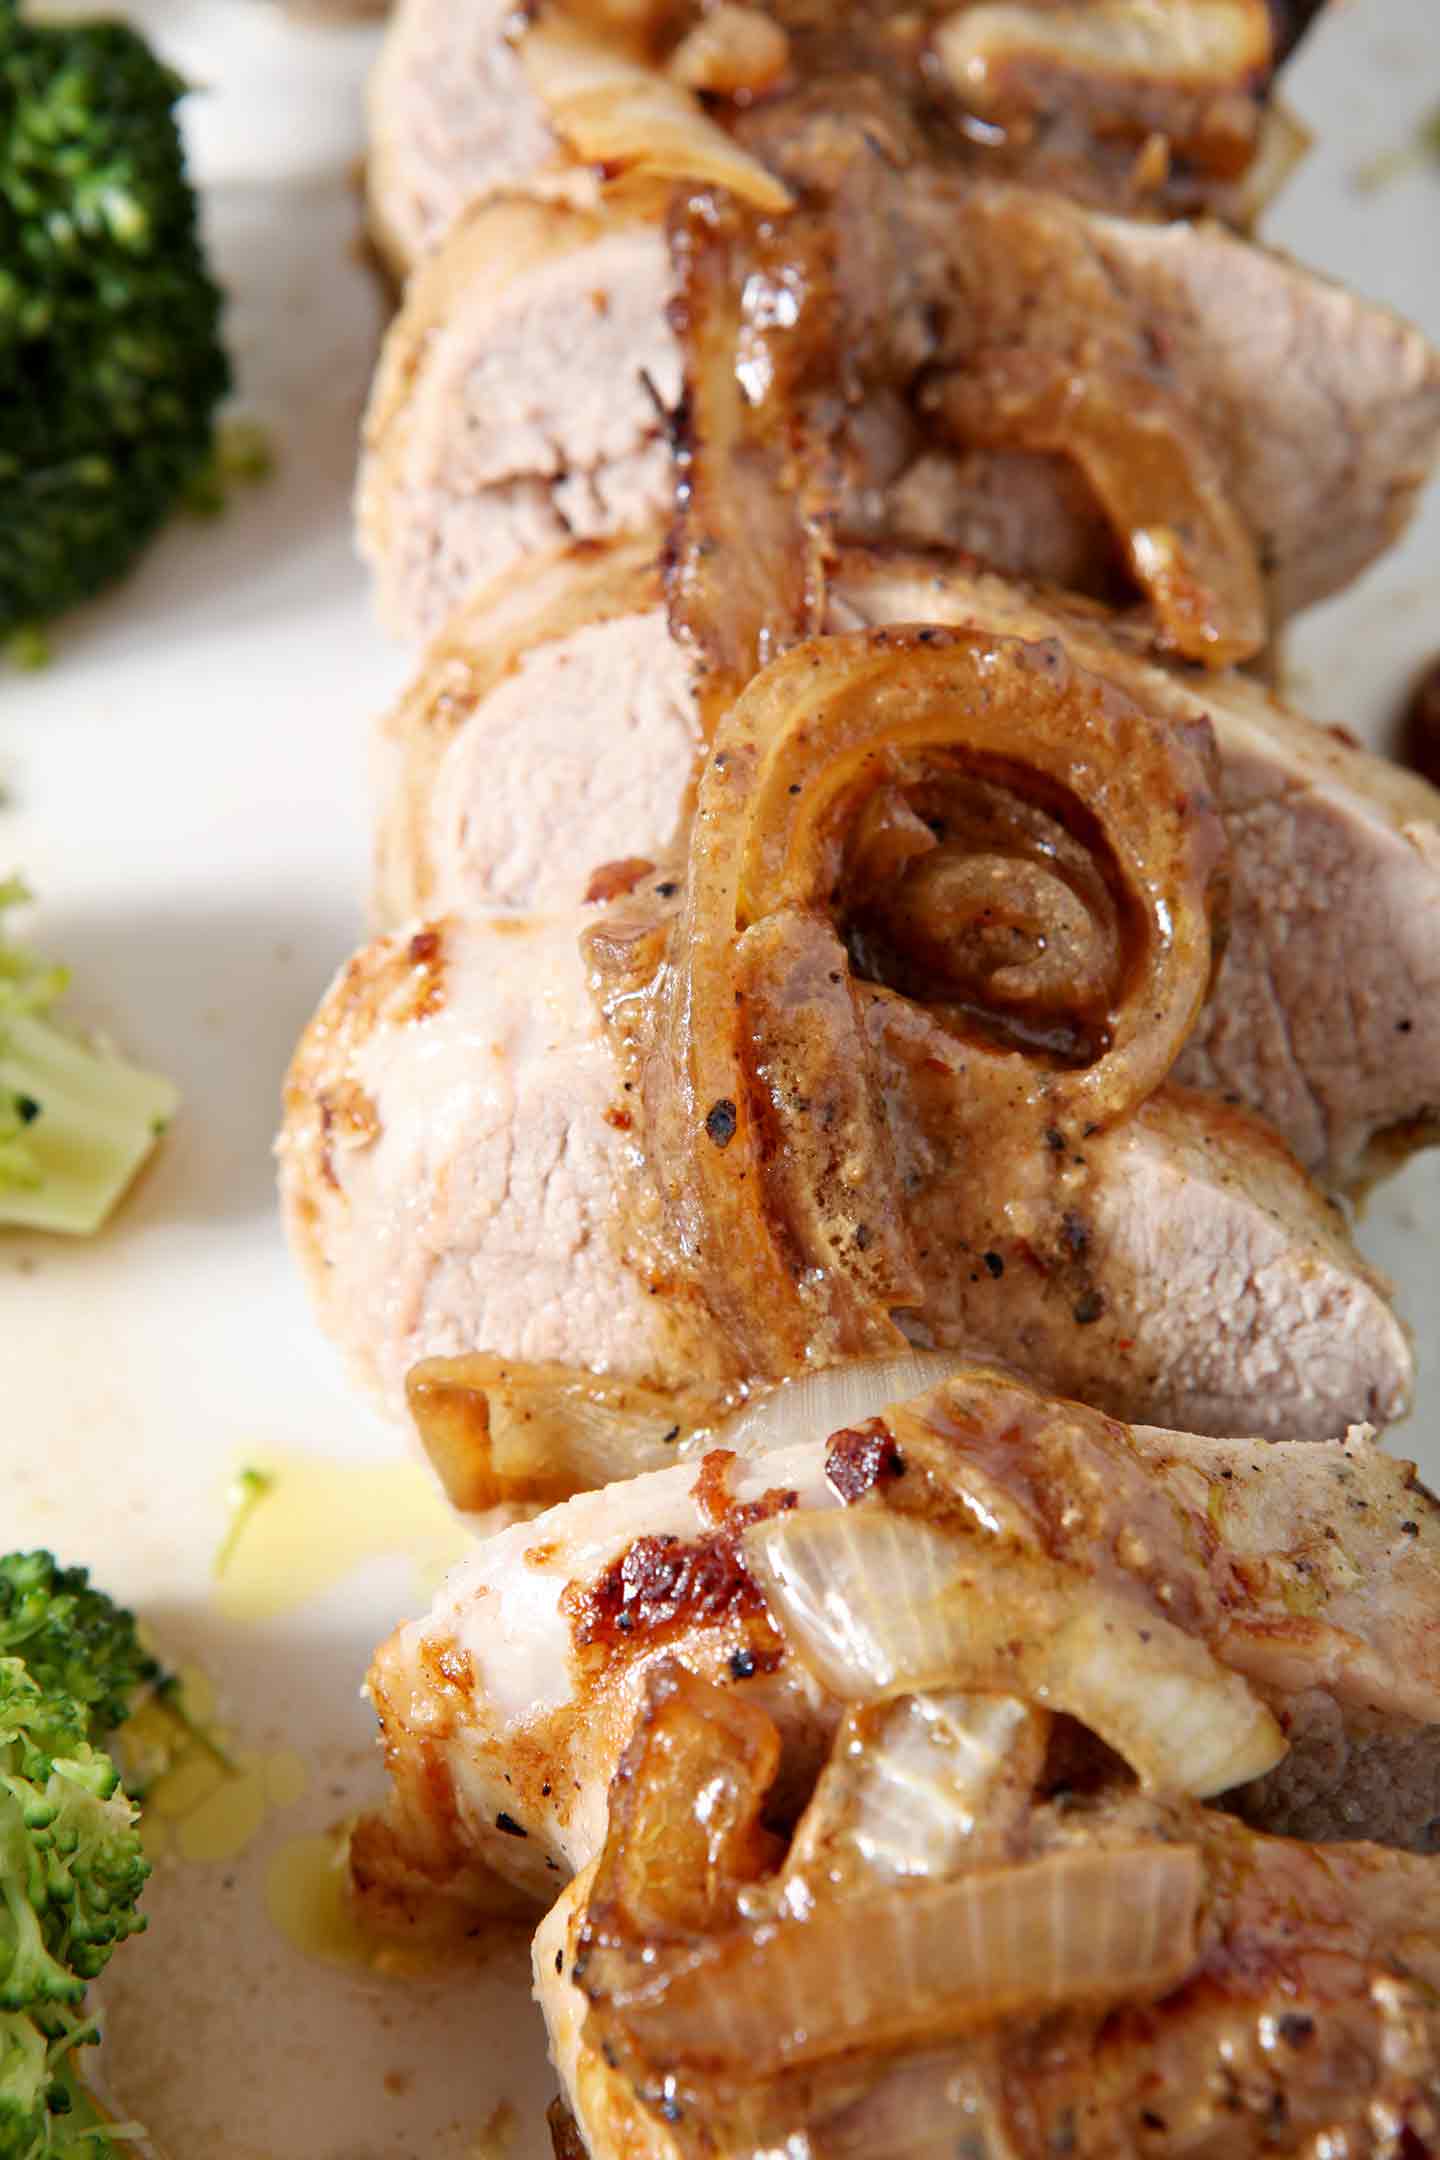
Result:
754,952
880,1605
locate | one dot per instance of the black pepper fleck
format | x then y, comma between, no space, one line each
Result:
508,1824
995,1264
720,1122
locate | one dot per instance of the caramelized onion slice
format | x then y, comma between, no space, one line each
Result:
612,107
818,1404
879,1605
1152,473
822,730
499,1431
737,1125
923,1963
684,1829
732,49
991,53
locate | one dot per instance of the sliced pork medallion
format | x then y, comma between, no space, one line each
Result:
470,104
1315,415
455,1169
519,403
1185,1599
904,1035
520,398
1106,1976
997,320
452,122
552,730
449,1156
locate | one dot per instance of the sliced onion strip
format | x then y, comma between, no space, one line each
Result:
611,107
1184,45
819,1404
878,1605
924,1963
1152,473
498,1431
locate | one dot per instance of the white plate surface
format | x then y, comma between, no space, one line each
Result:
186,788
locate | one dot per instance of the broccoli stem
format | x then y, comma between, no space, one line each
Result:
84,1123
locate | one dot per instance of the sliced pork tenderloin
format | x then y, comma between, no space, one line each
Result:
450,1154
519,399
1202,1280
453,1174
455,118
1311,1570
553,727
453,122
519,403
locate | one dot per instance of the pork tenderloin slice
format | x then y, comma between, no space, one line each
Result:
452,122
1320,410
447,1168
1325,1017
1327,405
516,1695
534,747
518,1692
518,403
453,1179
552,728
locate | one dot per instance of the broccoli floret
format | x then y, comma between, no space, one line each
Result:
110,359
76,1122
71,1864
74,1640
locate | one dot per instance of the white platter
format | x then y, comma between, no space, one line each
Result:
185,787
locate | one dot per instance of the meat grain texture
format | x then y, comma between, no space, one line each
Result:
551,729
453,122
520,402
448,1161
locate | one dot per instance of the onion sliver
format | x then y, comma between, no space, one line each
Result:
612,108
818,1404
1152,473
879,1604
1184,45
926,1962
916,1789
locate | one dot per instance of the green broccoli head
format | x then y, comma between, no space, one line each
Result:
24,2086
71,1863
110,359
46,2112
74,1640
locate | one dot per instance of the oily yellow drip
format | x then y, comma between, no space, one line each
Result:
307,1895
203,1810
317,1520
